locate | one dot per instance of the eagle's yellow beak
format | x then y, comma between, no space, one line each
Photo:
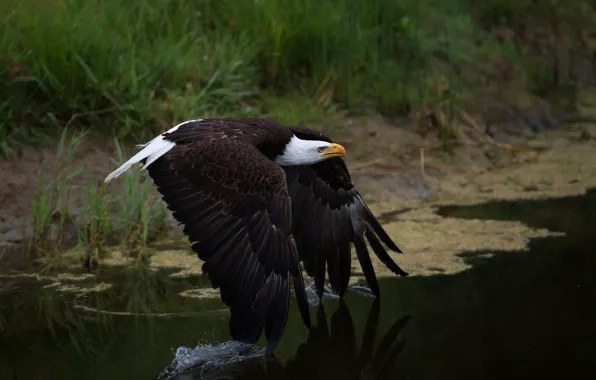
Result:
334,150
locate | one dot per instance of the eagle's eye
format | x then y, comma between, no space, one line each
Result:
321,149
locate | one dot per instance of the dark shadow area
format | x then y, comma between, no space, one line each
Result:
519,314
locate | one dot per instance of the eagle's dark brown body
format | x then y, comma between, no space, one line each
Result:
252,220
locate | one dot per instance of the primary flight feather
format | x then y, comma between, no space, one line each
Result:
257,197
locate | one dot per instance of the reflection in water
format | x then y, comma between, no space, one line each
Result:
333,353
54,316
79,317
328,353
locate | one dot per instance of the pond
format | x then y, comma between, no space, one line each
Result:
512,314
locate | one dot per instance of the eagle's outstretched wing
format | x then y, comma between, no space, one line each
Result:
252,221
329,215
235,208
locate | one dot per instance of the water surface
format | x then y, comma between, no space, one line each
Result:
514,314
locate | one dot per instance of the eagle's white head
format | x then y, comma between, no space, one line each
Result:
308,152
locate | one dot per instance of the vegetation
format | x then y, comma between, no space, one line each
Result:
131,217
133,67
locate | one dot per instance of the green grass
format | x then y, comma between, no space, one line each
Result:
131,215
49,213
133,67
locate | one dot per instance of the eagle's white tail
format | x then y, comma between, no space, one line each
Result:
151,151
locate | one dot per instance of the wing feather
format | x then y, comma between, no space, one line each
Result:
240,225
366,264
329,215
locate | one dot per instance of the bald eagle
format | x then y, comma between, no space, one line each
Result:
257,197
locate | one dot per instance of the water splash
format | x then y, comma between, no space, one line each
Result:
210,361
311,292
313,299
362,290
